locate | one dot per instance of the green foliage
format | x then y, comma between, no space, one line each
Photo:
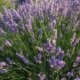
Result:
6,3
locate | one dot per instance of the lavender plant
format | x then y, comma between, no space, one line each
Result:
39,42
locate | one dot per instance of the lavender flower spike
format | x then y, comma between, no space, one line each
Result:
41,76
38,58
52,61
63,78
70,73
77,79
22,58
2,71
15,15
60,64
7,43
3,64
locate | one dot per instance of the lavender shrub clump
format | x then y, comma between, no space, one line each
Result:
40,40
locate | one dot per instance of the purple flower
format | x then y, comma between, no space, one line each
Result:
77,78
29,1
52,61
29,24
41,15
7,43
6,17
3,64
11,25
38,58
23,58
70,74
15,15
56,63
41,76
58,49
60,64
74,43
48,46
9,60
60,53
2,71
34,10
51,17
75,64
1,15
53,24
8,20
78,59
63,78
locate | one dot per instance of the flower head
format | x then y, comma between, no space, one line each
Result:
3,64
23,58
38,58
7,43
41,76
77,78
70,74
2,71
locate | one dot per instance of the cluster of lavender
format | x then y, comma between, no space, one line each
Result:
40,41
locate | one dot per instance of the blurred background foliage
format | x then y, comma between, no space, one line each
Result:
7,3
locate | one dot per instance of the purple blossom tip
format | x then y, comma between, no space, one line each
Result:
23,58
77,78
2,71
3,64
38,58
41,76
70,74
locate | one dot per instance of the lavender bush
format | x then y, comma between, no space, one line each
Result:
40,41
